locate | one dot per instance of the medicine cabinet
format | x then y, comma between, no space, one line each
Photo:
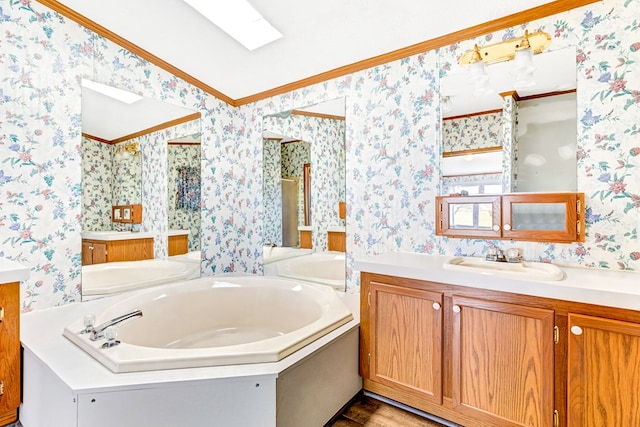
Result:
540,217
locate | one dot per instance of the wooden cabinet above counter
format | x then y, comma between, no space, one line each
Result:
540,217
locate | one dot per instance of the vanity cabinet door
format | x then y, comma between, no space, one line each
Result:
603,372
503,362
93,252
404,340
9,352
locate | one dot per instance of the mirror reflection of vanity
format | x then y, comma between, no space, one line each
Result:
509,154
304,180
115,137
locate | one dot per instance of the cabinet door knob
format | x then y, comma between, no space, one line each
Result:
1,387
456,309
576,330
507,227
1,314
436,306
496,227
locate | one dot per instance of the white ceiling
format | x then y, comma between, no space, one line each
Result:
319,36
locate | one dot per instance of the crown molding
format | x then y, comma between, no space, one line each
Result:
519,18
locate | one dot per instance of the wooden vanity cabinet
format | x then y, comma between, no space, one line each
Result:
488,358
603,372
503,362
402,339
101,251
178,244
336,241
9,352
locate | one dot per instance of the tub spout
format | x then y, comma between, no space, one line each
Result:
98,332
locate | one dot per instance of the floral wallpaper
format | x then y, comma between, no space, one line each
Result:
272,214
107,181
465,133
180,156
326,152
392,148
97,177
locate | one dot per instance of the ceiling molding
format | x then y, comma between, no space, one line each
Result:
519,18
544,95
318,115
512,20
472,151
96,138
152,129
159,127
121,41
477,113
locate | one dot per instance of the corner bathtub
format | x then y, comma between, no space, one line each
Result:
325,268
215,321
114,277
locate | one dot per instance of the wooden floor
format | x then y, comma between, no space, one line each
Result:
366,411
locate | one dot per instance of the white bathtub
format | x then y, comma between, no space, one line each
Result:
326,268
215,321
114,277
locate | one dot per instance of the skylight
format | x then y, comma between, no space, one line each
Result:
112,92
238,19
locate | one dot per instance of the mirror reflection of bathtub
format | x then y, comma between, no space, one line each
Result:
109,278
325,268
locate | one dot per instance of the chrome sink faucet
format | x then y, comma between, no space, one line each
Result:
494,253
95,333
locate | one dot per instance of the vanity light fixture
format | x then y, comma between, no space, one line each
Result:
112,92
518,49
238,19
506,50
479,74
127,150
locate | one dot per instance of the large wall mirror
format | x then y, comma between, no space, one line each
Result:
536,153
116,132
304,178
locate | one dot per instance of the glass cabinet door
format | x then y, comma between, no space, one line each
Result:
468,216
544,217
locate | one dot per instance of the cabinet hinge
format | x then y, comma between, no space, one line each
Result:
556,417
556,334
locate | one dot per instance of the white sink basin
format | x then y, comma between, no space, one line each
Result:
519,270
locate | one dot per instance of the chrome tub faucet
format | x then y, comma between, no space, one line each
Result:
96,333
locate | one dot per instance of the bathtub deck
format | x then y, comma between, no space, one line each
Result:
78,381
